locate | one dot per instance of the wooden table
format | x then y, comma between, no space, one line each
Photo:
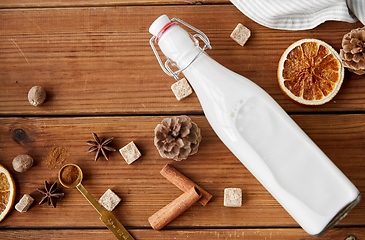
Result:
94,60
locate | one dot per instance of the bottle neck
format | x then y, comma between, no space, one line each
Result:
177,45
163,30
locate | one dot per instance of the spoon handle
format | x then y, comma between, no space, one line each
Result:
106,217
90,198
115,226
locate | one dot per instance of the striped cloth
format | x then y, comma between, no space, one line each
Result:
358,8
301,14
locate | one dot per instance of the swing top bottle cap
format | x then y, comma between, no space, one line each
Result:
158,24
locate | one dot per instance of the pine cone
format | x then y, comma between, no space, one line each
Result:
177,138
353,52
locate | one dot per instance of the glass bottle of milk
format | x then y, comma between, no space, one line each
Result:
261,134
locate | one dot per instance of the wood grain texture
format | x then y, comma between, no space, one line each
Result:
201,234
94,60
141,187
101,3
97,61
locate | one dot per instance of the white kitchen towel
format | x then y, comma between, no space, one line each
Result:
300,14
357,7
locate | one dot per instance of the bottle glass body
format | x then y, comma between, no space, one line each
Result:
264,138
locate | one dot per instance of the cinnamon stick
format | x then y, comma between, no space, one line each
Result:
184,183
168,213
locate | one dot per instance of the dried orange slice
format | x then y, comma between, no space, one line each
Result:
310,72
7,192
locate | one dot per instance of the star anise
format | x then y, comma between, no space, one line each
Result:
50,194
100,146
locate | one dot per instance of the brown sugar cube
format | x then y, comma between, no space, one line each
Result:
232,197
181,89
130,152
241,34
109,200
24,203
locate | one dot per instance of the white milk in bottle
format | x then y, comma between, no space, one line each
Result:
261,134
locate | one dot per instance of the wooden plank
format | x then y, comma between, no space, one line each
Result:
97,61
143,190
201,234
99,3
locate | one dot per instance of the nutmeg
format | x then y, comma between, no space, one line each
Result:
22,162
36,95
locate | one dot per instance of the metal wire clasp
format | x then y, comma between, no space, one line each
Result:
165,67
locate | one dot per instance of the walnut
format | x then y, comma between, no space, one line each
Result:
22,163
36,95
177,138
353,52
